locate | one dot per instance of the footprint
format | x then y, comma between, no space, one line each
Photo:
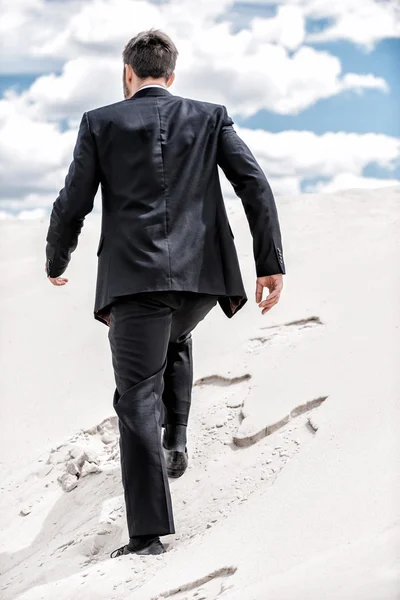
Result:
202,586
258,342
103,540
221,380
249,440
309,321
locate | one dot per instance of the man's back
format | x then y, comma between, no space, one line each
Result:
156,145
164,223
161,195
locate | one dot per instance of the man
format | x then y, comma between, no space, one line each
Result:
166,257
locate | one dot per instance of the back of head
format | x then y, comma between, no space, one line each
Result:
151,54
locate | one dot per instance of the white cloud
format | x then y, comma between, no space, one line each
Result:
33,153
32,215
348,181
31,201
363,22
101,27
359,83
54,32
287,85
287,28
33,172
263,66
85,83
25,215
290,157
304,154
25,26
248,75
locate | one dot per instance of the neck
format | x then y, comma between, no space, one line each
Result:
152,82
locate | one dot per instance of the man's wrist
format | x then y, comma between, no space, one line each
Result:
268,271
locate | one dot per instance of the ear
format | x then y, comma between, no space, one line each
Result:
171,80
128,73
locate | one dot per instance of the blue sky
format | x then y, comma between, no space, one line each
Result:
364,111
371,111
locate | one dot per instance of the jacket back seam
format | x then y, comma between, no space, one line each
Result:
165,193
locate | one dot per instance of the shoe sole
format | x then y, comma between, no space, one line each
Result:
175,474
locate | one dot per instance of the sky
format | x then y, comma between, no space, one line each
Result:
313,86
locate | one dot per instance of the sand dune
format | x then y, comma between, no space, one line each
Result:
293,486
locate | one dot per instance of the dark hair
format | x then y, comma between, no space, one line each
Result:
151,54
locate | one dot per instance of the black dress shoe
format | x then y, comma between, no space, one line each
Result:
176,462
175,449
141,547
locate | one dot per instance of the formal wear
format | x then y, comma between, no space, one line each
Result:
164,222
151,343
166,257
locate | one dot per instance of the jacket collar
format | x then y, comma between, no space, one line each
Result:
150,91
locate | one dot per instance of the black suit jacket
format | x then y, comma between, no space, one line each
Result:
164,223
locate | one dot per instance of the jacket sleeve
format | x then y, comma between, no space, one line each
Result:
73,203
251,186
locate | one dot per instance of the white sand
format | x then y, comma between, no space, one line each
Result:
308,511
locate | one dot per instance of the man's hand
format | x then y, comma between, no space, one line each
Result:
56,280
274,283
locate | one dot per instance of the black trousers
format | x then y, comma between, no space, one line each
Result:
151,346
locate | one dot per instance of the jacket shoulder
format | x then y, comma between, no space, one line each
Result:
104,111
215,113
210,107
